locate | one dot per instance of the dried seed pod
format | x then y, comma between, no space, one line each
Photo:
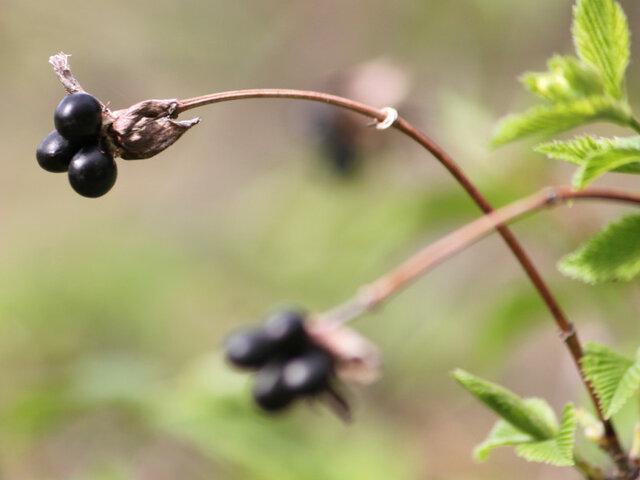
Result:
146,128
357,360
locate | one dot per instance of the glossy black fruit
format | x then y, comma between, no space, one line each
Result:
285,330
248,348
92,172
78,116
55,152
268,389
309,373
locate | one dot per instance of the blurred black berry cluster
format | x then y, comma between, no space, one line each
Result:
289,364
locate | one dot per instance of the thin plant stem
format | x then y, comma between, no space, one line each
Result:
588,471
567,330
372,295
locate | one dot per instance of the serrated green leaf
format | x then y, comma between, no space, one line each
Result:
525,417
578,150
613,254
558,450
596,156
550,119
615,378
503,434
567,79
601,36
543,410
600,163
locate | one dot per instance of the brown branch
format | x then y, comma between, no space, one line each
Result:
372,295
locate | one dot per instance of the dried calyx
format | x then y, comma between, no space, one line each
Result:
141,131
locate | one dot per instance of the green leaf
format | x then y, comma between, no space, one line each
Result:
603,162
615,378
567,79
613,254
522,415
596,155
550,119
601,36
503,434
579,149
558,450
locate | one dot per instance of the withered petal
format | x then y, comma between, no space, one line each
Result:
146,128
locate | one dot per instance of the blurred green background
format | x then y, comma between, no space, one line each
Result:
112,311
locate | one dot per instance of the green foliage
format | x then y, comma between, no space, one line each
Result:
601,37
611,255
558,117
615,378
529,418
530,424
567,79
556,451
596,156
579,150
601,163
503,434
582,90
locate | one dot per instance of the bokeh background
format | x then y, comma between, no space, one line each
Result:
112,311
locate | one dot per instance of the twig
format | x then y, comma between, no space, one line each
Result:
590,472
61,67
372,295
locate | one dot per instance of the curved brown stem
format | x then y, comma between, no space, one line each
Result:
372,295
567,330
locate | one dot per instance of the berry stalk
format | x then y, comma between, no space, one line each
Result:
372,295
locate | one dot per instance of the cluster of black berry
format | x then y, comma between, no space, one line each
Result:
74,146
289,364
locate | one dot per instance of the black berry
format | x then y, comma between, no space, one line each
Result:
308,373
285,329
78,116
268,389
92,172
55,152
248,348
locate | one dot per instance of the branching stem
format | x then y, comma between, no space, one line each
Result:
567,330
371,296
